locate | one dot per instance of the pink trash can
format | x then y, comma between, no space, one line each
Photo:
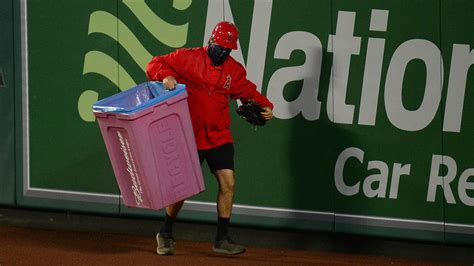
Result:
149,137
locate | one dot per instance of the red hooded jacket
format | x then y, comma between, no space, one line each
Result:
209,90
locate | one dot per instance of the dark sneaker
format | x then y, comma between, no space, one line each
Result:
228,246
165,244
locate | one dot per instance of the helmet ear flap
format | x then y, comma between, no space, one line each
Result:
211,40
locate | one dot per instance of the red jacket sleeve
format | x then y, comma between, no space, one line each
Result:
162,66
245,90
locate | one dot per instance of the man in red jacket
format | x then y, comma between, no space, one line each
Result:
212,77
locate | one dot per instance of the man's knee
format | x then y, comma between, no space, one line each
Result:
226,180
227,187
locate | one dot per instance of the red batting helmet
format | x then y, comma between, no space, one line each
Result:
225,34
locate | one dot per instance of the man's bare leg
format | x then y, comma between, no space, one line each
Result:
165,236
174,209
225,195
225,200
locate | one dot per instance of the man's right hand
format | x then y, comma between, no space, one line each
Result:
169,82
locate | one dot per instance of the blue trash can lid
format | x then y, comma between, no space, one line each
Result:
137,98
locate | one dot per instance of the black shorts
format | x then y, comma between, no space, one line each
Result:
220,157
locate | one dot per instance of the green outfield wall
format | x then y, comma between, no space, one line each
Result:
7,113
374,109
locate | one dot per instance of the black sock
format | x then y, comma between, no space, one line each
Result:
222,228
167,227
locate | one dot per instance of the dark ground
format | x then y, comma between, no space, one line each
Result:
31,237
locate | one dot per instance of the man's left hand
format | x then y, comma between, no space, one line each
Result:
267,114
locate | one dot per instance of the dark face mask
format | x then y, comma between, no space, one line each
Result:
217,54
